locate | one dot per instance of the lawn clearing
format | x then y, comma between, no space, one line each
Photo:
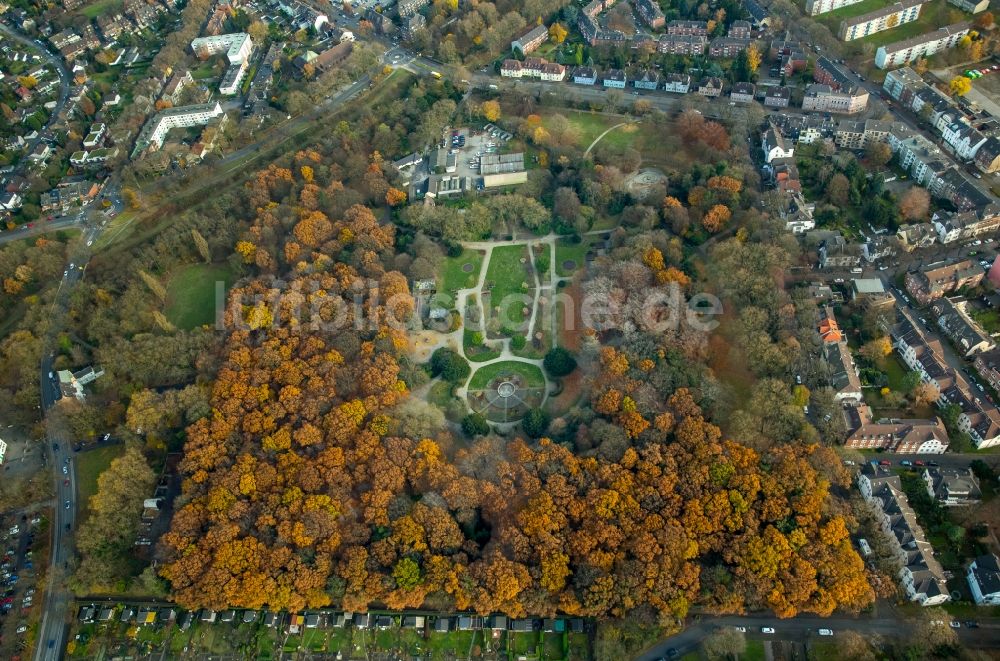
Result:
568,250
89,466
532,374
100,7
191,294
508,285
460,272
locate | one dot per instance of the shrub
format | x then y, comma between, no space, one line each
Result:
559,362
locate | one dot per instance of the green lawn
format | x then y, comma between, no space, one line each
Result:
191,294
755,651
988,319
474,353
532,374
508,275
453,277
567,250
89,465
589,125
206,70
99,7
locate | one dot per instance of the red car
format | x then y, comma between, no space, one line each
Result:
885,462
918,463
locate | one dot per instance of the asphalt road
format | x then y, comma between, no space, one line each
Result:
801,629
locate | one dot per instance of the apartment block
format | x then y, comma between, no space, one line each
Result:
817,7
821,98
886,18
925,45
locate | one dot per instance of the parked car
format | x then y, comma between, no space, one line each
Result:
826,632
766,630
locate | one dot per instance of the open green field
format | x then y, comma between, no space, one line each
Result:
507,272
453,276
191,294
532,375
95,9
589,125
89,465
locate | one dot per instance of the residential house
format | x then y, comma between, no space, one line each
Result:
930,284
971,6
797,213
740,30
553,72
844,377
893,435
678,83
952,487
615,79
917,235
953,227
987,157
777,96
925,45
649,79
987,364
742,92
921,576
71,383
584,76
967,335
820,97
828,328
681,44
785,175
710,87
530,40
983,576
697,28
727,47
774,146
759,16
651,14
963,139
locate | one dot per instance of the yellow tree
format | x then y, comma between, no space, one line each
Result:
753,58
959,86
557,33
490,110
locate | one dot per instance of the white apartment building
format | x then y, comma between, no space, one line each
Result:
816,7
925,45
236,45
159,125
821,98
963,139
885,18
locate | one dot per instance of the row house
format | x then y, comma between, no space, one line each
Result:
956,187
980,420
968,336
650,13
856,134
821,98
918,156
916,235
830,73
929,284
884,18
844,377
963,139
774,145
987,365
689,28
595,35
534,67
951,226
923,46
727,47
921,576
675,44
987,158
805,129
917,436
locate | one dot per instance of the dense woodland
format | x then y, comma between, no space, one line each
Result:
300,490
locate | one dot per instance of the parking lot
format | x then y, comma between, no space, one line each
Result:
471,144
23,535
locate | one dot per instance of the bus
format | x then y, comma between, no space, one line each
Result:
436,75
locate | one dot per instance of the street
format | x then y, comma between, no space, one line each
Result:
805,627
